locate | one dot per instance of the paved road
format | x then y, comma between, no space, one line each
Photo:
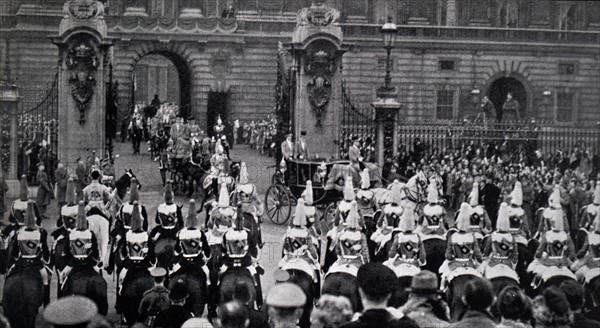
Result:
151,195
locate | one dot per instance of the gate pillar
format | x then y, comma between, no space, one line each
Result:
386,116
83,70
317,48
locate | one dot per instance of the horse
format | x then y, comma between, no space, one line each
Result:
454,294
343,284
137,281
118,195
195,167
310,289
232,277
84,280
23,296
99,224
195,281
164,247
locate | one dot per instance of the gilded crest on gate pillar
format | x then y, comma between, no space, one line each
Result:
320,65
82,63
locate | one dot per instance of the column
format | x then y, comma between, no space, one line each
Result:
14,142
451,13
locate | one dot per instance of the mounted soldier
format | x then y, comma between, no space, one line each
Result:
587,266
83,247
501,252
407,253
168,222
16,216
137,249
29,250
590,212
392,212
548,214
311,216
433,222
96,195
65,223
299,251
518,221
480,223
352,250
180,141
463,255
368,208
247,194
192,249
555,253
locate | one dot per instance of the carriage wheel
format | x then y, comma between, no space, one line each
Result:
328,217
278,204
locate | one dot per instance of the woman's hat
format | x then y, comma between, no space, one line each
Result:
424,282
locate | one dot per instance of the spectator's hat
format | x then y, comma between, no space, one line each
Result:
281,276
178,291
354,138
197,323
158,272
70,311
279,296
424,282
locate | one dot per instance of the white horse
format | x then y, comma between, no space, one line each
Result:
100,226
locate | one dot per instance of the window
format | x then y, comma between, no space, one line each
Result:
445,105
565,106
566,68
447,65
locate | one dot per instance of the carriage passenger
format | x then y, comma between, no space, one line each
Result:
556,252
392,213
501,253
592,211
30,249
311,214
480,223
519,223
407,252
168,214
352,248
297,243
83,246
192,248
463,255
138,248
588,257
433,224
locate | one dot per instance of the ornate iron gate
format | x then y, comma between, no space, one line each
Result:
357,123
112,107
38,135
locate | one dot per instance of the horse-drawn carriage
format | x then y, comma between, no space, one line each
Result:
289,182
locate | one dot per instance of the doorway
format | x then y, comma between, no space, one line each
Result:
500,88
217,106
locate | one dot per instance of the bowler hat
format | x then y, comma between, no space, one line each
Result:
178,291
424,282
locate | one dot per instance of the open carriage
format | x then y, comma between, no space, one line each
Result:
327,179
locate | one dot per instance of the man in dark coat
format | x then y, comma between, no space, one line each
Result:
490,197
155,299
376,283
575,295
62,176
82,178
176,314
478,297
45,193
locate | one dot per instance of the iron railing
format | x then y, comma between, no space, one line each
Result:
356,123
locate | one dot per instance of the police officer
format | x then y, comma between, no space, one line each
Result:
176,314
30,248
283,310
155,299
192,248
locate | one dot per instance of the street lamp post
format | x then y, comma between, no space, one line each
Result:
389,31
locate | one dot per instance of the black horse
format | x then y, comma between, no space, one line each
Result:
137,281
435,251
23,296
164,247
84,280
231,278
454,295
195,280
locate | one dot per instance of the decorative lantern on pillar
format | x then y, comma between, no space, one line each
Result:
547,98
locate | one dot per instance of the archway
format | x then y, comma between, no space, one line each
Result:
499,89
165,74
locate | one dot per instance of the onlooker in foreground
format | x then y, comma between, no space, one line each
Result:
376,282
514,308
478,298
575,296
551,309
232,315
155,299
425,305
285,303
331,312
176,314
242,295
197,323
